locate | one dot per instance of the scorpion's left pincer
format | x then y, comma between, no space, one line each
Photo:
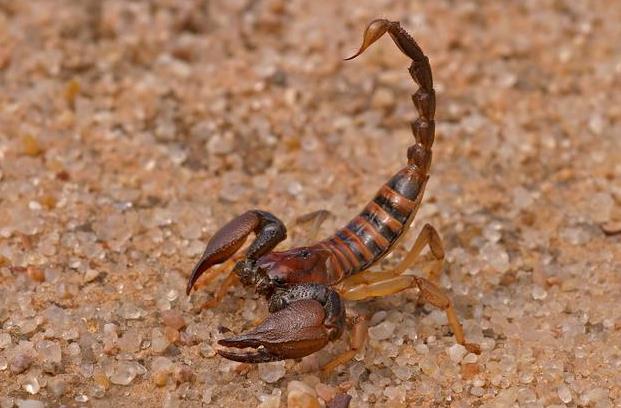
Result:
293,332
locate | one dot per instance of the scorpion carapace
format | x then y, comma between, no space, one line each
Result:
305,287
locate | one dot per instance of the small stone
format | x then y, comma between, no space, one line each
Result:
30,145
72,88
477,391
270,401
31,385
300,386
597,124
110,338
20,363
397,393
161,363
208,394
171,334
421,348
383,98
526,377
56,386
576,235
29,404
325,392
49,351
612,228
377,318
601,206
496,256
402,372
340,401
299,399
539,293
35,274
469,370
125,372
101,380
130,341
5,340
160,377
470,358
159,342
183,373
173,319
382,331
272,372
456,352
429,366
564,393
130,311
81,398
90,275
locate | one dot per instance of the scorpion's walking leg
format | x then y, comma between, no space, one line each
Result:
392,282
358,337
432,294
230,280
268,229
429,293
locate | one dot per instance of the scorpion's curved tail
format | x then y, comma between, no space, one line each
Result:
377,229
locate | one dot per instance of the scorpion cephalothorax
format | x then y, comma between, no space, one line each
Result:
305,286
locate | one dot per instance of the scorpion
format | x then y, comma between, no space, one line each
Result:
306,286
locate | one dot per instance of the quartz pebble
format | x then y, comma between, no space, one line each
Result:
299,399
382,331
564,393
57,386
183,373
5,340
20,363
270,401
31,385
173,319
125,372
456,352
272,372
29,404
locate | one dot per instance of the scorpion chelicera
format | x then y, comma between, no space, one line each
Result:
306,286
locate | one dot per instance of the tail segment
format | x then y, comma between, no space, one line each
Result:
375,231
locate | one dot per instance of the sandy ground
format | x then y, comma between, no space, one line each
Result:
130,131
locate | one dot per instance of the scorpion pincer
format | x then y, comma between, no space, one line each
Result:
306,287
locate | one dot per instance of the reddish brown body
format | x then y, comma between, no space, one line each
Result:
305,286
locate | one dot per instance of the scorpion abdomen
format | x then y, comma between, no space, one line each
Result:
370,235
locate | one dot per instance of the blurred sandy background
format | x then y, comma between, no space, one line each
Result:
131,130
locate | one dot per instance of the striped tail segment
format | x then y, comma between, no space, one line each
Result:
375,231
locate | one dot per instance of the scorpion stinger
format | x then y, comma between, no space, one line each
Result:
305,286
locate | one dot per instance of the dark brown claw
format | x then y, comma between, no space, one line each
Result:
224,243
293,332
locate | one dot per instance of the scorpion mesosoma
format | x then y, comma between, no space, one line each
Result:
305,287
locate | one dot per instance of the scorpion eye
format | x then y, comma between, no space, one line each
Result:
304,254
279,281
